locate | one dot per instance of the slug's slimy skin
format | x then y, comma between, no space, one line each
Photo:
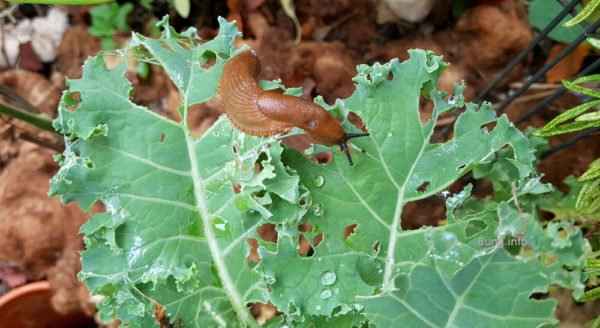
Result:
261,113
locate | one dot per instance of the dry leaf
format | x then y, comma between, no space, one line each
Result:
570,65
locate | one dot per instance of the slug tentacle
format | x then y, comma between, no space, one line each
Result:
260,113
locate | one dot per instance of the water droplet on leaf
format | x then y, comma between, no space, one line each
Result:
325,294
319,181
328,278
318,210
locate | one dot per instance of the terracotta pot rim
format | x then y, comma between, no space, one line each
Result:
28,288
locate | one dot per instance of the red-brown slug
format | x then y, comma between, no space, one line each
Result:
257,112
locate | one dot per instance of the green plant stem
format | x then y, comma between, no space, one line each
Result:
39,120
63,2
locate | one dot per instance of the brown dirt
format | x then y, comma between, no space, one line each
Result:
35,230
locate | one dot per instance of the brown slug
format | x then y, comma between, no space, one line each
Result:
257,112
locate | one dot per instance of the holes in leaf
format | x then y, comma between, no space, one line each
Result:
71,100
209,59
261,158
390,76
253,254
318,239
234,148
237,188
302,202
349,230
424,212
539,296
425,108
423,187
461,166
489,127
163,137
267,232
376,246
263,311
324,157
304,247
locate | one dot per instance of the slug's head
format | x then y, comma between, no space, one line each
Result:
344,146
333,134
325,129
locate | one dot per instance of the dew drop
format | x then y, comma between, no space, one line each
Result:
319,181
318,209
380,270
389,135
328,278
325,294
318,308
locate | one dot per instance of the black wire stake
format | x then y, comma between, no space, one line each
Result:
548,66
568,8
591,68
569,142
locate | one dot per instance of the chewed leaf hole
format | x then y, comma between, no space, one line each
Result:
267,232
71,100
423,187
324,157
209,58
163,137
237,188
318,239
263,311
376,246
253,254
304,248
461,166
539,296
489,127
235,149
349,230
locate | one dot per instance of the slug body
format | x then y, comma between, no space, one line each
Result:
261,113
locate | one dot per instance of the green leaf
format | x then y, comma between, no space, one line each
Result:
592,172
594,42
175,231
554,127
587,79
398,164
586,12
575,87
541,13
589,197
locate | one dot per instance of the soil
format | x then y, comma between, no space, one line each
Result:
39,236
